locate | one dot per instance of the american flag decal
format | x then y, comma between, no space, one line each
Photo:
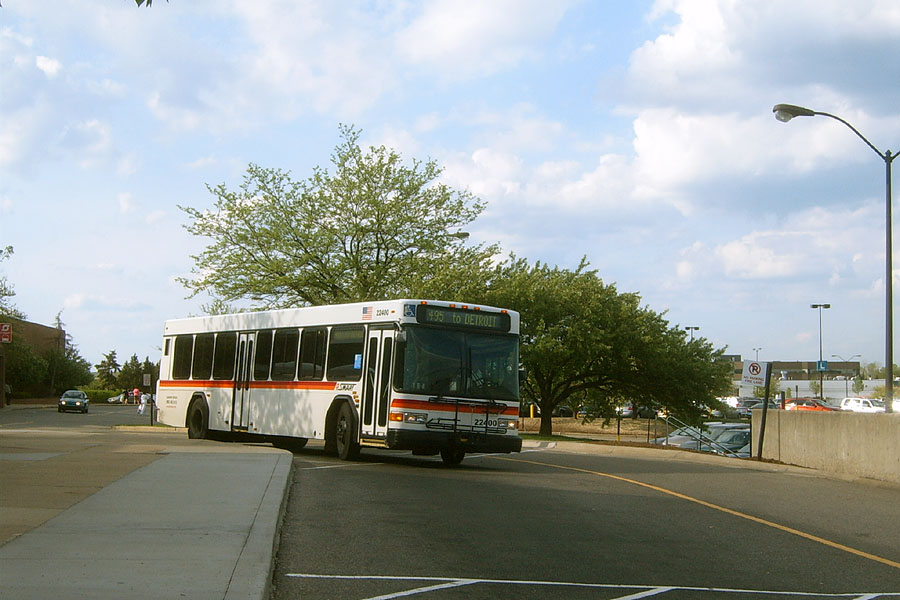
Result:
367,313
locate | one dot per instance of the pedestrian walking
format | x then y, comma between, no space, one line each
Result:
136,394
144,399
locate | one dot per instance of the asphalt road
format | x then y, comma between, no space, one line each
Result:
582,522
573,521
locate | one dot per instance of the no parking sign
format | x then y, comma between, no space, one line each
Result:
756,373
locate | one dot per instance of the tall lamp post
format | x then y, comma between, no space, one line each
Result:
819,365
846,388
786,112
757,353
692,329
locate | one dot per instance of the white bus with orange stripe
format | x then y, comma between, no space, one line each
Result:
422,375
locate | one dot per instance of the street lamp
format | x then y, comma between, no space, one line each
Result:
692,329
757,353
786,112
846,388
819,366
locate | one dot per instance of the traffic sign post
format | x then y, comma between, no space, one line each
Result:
759,375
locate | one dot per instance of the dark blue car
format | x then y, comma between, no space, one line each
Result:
73,400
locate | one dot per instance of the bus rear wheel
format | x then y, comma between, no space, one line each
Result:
198,421
344,429
452,456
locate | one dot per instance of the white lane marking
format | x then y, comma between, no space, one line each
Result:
425,590
646,590
645,594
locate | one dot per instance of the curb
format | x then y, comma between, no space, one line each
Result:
252,575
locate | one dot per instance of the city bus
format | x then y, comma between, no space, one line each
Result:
428,376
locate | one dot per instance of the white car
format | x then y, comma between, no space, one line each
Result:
863,405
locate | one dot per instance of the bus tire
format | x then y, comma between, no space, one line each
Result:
452,456
198,420
291,444
345,433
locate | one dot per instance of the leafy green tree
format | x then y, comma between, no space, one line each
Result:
69,369
858,385
25,370
66,368
108,371
584,341
152,369
814,387
131,375
373,228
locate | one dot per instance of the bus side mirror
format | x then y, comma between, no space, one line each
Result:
522,376
401,337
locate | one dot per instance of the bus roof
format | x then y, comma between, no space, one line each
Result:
383,311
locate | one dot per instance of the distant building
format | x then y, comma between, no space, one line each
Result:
801,370
40,338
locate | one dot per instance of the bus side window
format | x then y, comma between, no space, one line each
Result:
312,355
223,361
345,351
203,356
181,361
263,355
284,354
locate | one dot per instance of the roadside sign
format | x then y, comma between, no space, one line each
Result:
821,366
755,373
147,381
5,333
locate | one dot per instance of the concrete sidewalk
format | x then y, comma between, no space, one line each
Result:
193,519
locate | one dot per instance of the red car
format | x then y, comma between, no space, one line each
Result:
807,404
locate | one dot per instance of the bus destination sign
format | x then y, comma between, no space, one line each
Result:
457,317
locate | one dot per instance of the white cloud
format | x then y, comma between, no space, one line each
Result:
457,42
202,163
126,203
49,66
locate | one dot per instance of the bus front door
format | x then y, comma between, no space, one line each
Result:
240,402
377,383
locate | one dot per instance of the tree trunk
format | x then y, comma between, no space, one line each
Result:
546,423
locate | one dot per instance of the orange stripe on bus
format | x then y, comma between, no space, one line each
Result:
256,385
447,406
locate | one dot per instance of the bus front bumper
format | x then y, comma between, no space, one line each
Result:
403,439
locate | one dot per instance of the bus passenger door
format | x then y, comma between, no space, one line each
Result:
377,383
240,403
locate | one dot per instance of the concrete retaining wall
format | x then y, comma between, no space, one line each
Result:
856,444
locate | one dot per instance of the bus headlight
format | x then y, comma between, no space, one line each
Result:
408,417
506,424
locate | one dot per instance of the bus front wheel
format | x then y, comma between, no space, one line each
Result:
344,430
198,421
452,456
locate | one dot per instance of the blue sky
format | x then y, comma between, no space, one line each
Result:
639,134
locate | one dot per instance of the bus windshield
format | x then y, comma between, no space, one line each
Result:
468,364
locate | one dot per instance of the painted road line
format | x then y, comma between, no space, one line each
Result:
656,488
638,591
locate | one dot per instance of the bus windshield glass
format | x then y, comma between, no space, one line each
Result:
467,364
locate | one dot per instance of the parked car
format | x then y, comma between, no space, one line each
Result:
643,412
563,411
743,407
679,436
864,405
731,441
712,431
743,452
73,400
807,404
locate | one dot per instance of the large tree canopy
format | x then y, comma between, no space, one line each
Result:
373,228
584,342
